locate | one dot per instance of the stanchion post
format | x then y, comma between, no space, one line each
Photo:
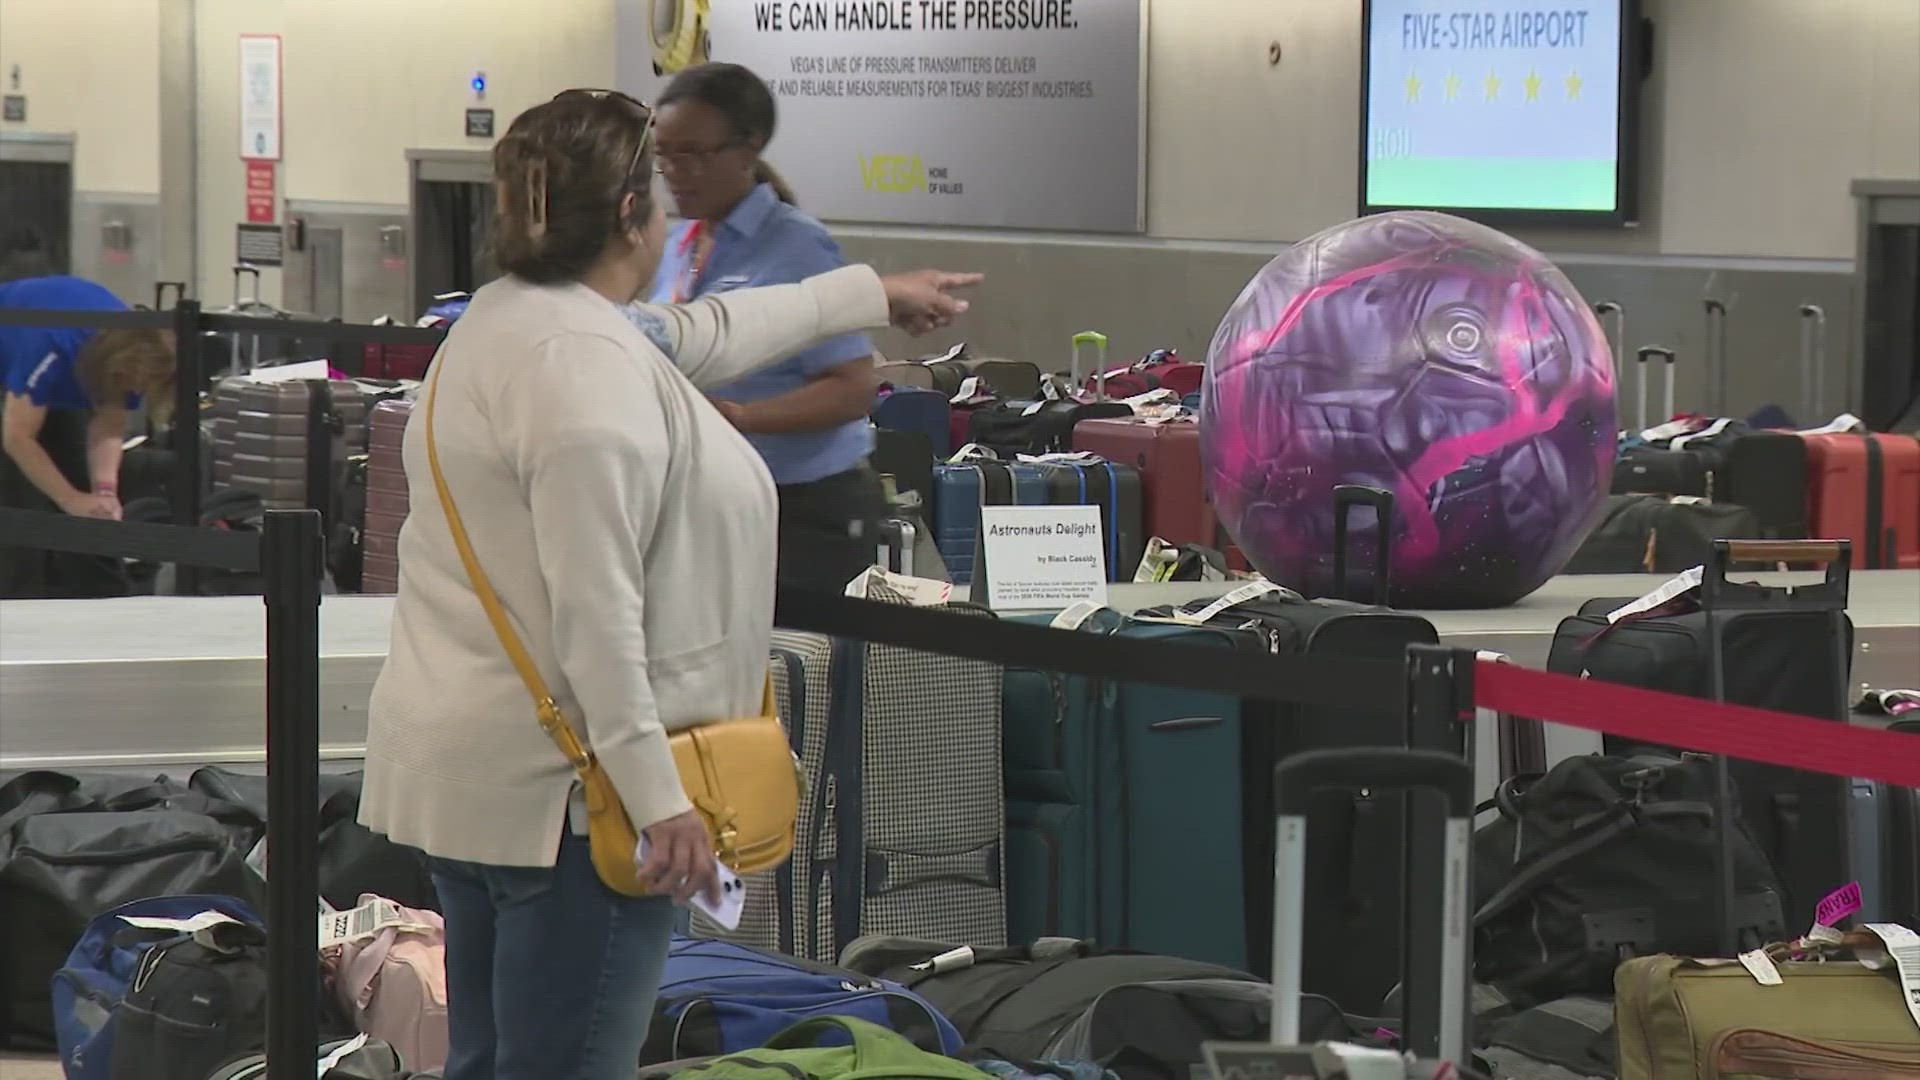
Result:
291,558
1439,711
188,376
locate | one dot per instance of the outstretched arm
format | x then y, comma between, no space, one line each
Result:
717,339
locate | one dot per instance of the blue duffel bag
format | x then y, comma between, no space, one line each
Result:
103,966
717,997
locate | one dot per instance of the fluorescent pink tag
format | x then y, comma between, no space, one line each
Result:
1839,904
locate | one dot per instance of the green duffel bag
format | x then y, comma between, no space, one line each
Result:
873,1054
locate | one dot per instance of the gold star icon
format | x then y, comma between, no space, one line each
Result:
1413,87
1492,83
1533,86
1574,83
1453,86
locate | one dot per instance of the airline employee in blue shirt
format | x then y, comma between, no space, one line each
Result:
808,414
64,422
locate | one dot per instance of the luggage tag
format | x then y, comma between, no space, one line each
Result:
950,354
1680,584
191,925
1252,590
1839,425
972,452
1680,441
340,1054
1157,563
1760,966
969,389
879,583
1072,617
375,913
1903,946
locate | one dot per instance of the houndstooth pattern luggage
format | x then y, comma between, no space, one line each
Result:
902,821
387,498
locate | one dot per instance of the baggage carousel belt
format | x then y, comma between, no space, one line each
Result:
168,681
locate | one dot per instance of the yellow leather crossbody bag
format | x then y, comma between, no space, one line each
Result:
741,775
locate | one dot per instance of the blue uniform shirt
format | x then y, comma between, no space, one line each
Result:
38,362
766,242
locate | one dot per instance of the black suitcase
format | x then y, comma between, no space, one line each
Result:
1012,428
1772,648
1354,957
1655,470
1900,844
1115,489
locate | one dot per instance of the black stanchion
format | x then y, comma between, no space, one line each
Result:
291,556
1439,714
189,350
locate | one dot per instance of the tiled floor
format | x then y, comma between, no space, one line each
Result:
29,1067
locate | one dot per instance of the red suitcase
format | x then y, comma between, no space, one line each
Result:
1866,488
1173,489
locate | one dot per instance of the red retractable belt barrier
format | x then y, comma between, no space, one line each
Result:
1707,727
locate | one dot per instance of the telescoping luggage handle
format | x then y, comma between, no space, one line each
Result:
1099,342
1717,351
1296,781
1813,357
1345,498
1602,310
1665,355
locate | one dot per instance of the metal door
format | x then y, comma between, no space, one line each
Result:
36,205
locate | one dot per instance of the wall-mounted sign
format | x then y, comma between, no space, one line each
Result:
1023,113
13,108
260,245
262,201
260,97
479,123
1040,558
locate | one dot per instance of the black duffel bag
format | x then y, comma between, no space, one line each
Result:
58,870
1601,859
354,860
1142,1016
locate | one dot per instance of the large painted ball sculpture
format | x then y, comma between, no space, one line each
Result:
1428,356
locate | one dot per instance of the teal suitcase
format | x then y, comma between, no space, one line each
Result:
1125,806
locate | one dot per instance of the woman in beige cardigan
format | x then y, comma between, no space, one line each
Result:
629,532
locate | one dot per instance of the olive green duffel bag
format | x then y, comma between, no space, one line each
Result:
1828,1015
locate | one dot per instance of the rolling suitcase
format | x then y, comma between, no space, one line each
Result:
960,489
386,495
1785,649
1866,488
1656,534
912,409
1013,428
1357,961
1125,807
1008,378
902,827
1436,1023
1173,487
1115,489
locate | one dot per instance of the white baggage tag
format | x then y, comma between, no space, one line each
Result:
1252,590
1683,582
1037,406
1903,945
374,914
190,925
1760,966
1839,425
969,386
945,356
340,1054
970,452
1075,615
1151,397
1680,441
1160,557
879,583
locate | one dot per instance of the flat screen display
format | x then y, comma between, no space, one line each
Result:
1500,109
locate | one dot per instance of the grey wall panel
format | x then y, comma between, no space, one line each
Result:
1154,293
345,265
130,273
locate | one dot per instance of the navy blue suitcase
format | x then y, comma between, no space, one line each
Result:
1115,489
914,409
961,489
1125,806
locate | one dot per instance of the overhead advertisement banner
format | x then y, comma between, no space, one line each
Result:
1013,113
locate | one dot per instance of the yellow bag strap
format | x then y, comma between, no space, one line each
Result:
544,707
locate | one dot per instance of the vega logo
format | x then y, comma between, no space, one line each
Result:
893,173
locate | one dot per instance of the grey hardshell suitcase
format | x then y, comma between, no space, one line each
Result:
902,822
386,496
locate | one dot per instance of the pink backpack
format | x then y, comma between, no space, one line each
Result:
394,983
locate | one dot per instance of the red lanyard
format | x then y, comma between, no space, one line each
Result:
696,266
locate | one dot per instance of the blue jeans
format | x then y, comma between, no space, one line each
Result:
550,974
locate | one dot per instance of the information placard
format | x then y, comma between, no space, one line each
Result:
1011,113
260,97
1040,558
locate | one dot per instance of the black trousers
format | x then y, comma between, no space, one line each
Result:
827,528
33,574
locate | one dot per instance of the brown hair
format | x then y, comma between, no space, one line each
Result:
744,99
115,363
560,175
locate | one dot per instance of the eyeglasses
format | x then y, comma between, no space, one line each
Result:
690,160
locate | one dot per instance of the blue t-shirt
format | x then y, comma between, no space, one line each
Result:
766,242
38,362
